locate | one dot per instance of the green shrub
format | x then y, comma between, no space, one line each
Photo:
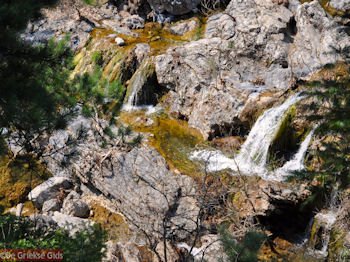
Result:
245,250
21,233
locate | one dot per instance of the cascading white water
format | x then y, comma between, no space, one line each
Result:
130,104
253,154
325,221
297,162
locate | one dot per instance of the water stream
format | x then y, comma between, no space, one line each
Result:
252,158
297,162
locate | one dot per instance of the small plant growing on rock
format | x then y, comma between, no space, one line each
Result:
245,250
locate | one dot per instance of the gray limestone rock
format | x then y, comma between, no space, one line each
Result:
183,27
51,205
137,181
212,81
74,206
134,22
319,41
65,19
142,51
48,190
178,7
220,25
70,223
341,5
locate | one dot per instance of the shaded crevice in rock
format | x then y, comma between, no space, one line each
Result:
287,221
143,88
286,141
128,68
151,92
235,128
292,26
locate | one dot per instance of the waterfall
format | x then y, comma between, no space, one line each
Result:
320,227
297,162
130,104
253,154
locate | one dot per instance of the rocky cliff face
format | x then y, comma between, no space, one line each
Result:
217,73
270,48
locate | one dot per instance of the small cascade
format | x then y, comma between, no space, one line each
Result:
130,104
320,232
253,154
297,162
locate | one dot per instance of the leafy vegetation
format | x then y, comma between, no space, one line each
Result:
245,250
97,94
35,85
22,233
331,109
32,77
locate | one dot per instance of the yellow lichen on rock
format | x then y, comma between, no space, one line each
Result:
18,177
112,222
172,138
337,72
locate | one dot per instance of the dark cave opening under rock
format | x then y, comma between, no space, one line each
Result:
150,93
288,221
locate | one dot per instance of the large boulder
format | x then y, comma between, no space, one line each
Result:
211,249
147,193
51,205
210,88
179,7
48,190
74,206
69,223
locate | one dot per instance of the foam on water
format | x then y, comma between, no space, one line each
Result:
253,154
297,162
